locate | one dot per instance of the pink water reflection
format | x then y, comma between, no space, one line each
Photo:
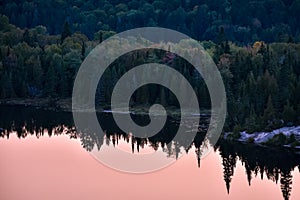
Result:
59,168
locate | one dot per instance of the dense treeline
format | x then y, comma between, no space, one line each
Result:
244,21
34,63
262,85
262,80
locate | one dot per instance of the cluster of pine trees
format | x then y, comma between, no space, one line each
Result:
262,80
263,85
35,64
244,21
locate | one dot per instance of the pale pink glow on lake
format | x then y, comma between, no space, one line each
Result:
59,168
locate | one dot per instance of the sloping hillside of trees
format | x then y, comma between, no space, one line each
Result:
254,44
244,21
262,80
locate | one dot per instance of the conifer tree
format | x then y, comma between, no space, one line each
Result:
66,32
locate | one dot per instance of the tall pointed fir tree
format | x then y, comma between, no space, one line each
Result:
66,32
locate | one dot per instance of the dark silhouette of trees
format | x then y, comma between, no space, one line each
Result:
276,164
229,163
66,32
273,164
286,184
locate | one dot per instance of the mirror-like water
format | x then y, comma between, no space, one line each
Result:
43,157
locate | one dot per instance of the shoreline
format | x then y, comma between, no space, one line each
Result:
65,105
54,104
284,137
257,138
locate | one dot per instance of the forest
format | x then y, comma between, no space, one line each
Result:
244,21
253,43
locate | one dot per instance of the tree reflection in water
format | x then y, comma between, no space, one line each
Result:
274,164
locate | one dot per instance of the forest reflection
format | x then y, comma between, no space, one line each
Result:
275,164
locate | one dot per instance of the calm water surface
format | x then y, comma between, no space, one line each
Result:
43,157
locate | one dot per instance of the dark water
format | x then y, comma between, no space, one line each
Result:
268,164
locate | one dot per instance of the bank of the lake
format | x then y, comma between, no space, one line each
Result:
288,137
54,104
65,105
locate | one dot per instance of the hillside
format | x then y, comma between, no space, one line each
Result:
244,21
43,43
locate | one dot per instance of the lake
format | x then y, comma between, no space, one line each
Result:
42,156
